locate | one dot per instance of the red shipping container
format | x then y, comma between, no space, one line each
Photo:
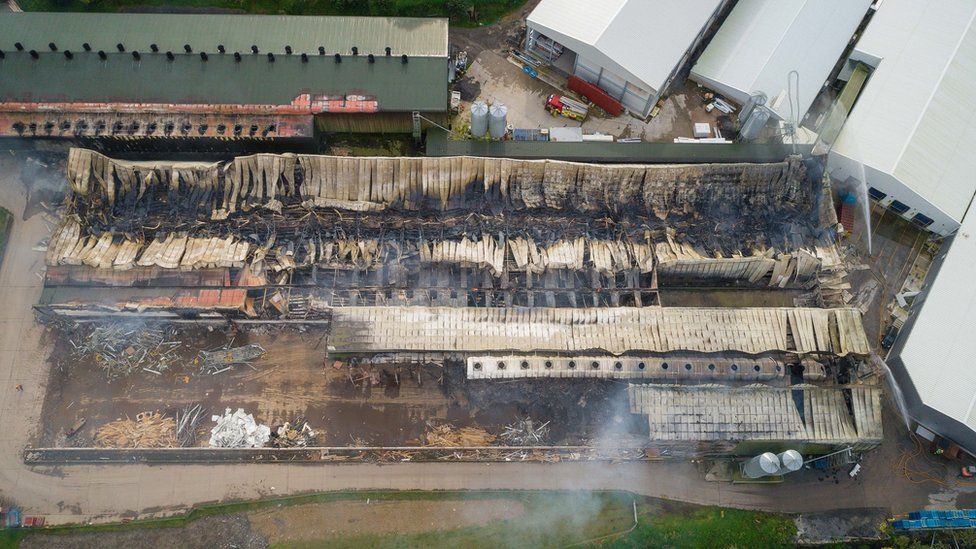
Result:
596,95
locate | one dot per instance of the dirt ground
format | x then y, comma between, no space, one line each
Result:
292,380
347,518
221,532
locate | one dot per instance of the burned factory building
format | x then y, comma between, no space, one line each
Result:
88,76
495,271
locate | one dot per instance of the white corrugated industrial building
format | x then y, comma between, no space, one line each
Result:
631,49
933,357
761,41
912,131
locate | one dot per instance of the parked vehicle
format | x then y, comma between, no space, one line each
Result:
564,106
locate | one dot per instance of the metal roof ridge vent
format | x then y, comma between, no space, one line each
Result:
68,55
389,51
304,57
237,57
321,50
33,54
355,50
271,57
288,50
404,59
187,48
86,46
101,55
203,56
135,55
221,49
120,46
338,58
371,58
19,46
154,48
170,56
254,49
52,46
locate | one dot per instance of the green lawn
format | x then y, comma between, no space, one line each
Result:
488,11
551,519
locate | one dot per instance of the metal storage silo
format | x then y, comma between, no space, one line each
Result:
762,465
479,119
790,461
497,120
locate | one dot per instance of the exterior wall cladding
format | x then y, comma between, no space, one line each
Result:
630,95
891,193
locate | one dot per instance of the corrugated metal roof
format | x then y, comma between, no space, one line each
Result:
916,118
761,41
938,352
420,84
638,39
416,37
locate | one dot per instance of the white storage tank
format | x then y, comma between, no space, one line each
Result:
762,465
479,119
498,121
790,461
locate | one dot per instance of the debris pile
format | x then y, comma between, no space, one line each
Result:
187,422
149,430
448,435
525,432
121,348
293,435
238,430
215,362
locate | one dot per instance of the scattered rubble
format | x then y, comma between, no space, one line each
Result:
149,430
121,348
187,422
448,435
525,432
293,435
215,362
238,430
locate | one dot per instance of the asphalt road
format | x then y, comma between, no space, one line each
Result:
107,492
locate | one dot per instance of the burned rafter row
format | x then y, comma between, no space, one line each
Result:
374,183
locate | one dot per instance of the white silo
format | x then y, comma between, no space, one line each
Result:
498,120
790,461
479,119
762,465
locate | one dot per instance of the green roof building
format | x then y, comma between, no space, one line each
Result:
210,75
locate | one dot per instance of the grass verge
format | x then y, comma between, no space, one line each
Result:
551,519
